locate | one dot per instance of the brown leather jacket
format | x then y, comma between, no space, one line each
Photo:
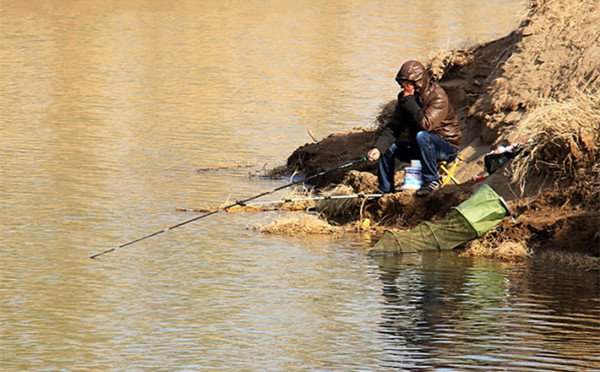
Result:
438,114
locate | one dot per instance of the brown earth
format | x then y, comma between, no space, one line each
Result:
336,149
393,210
529,85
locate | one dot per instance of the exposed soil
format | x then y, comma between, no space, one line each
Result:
500,90
330,152
569,229
401,209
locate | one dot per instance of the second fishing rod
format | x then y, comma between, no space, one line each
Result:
239,202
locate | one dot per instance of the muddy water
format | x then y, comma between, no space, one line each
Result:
106,112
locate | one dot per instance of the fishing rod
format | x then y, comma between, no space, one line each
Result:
239,202
296,200
324,197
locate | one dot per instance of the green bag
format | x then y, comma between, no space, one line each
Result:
471,219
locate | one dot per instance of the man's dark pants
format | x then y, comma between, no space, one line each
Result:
428,147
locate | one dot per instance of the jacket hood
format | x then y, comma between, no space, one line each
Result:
416,72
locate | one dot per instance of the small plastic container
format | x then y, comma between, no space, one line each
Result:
412,178
415,164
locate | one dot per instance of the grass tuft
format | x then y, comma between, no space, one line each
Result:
298,225
563,139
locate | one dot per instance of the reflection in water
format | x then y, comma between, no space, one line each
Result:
443,312
107,109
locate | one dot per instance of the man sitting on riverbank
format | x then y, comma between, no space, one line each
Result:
424,110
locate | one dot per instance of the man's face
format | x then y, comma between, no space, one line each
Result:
406,84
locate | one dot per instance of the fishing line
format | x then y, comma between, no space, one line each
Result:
239,202
295,200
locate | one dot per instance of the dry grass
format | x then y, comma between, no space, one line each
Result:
298,225
563,139
277,172
574,260
499,244
516,251
299,192
343,210
440,61
506,251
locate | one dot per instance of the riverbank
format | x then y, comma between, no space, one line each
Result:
538,86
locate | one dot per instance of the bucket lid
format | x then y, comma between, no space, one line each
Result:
416,164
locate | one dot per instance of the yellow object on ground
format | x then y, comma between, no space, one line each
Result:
447,173
365,224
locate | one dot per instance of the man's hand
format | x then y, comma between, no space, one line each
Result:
373,154
409,90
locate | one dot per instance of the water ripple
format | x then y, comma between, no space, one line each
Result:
107,111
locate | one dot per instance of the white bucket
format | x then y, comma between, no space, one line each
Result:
412,179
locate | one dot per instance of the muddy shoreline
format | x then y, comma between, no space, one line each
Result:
515,88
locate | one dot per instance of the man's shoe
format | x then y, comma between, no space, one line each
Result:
428,188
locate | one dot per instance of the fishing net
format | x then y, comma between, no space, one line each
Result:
471,219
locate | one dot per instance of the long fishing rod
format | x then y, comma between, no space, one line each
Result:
296,200
315,198
239,202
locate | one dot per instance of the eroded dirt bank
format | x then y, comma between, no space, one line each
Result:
538,85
